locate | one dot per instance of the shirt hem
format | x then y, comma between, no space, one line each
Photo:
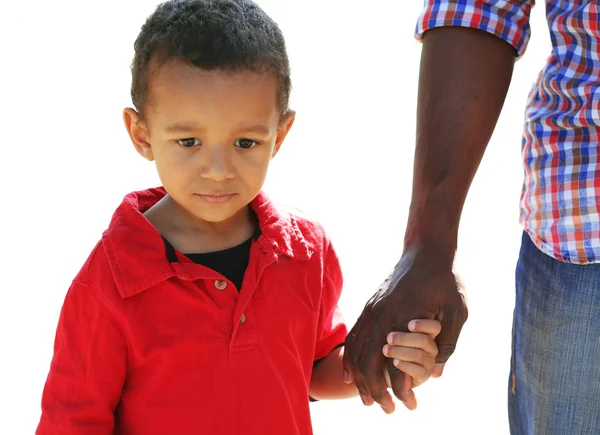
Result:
547,249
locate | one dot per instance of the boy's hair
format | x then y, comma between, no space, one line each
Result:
233,35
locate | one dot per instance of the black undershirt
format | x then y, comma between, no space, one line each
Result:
231,262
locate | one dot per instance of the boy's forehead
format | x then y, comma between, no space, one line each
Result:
180,83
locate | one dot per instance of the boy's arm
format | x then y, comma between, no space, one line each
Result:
327,381
88,369
327,376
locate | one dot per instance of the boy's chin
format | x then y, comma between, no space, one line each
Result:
217,214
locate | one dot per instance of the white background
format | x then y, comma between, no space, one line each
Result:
66,163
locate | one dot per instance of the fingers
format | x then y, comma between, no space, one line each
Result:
388,381
365,365
402,386
412,340
418,373
348,376
359,382
411,400
413,353
411,358
372,369
414,362
350,354
363,391
351,359
425,326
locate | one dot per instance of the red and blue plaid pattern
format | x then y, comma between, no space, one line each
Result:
561,191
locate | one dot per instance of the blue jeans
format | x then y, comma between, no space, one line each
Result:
554,387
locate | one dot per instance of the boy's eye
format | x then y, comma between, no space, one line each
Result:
189,142
245,143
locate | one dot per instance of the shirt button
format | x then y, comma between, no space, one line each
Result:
243,319
220,284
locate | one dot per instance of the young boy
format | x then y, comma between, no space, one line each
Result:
204,309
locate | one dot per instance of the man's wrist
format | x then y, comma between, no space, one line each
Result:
429,254
433,222
435,239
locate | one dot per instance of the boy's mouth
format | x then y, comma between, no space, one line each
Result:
219,198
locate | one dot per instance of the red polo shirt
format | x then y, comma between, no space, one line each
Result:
149,346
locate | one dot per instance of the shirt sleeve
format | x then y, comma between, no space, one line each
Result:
88,368
506,19
332,330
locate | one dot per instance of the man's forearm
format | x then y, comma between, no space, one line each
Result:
464,78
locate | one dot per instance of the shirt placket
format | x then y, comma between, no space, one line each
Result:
244,334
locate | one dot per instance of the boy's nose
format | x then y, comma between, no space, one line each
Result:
216,165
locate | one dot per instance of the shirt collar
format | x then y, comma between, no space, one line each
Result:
136,251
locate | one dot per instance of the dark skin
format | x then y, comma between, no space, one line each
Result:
464,79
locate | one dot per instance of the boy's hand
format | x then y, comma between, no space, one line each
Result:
414,352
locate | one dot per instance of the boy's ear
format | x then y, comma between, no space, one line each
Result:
283,130
138,133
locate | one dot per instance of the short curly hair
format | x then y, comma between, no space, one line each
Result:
233,35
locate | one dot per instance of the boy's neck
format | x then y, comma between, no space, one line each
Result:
189,234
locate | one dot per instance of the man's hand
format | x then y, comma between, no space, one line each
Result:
422,286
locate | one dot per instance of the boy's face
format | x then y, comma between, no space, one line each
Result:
212,135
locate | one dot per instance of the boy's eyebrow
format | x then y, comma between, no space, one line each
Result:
189,128
256,128
182,128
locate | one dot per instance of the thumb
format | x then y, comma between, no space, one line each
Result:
438,371
348,378
452,321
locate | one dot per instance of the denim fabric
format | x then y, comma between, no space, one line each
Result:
554,387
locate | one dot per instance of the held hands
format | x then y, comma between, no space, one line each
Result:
413,353
422,286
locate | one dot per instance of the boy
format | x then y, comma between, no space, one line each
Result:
204,308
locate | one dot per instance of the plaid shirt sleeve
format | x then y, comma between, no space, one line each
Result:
506,19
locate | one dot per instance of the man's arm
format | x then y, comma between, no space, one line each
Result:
464,78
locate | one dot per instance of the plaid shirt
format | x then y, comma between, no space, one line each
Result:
559,203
